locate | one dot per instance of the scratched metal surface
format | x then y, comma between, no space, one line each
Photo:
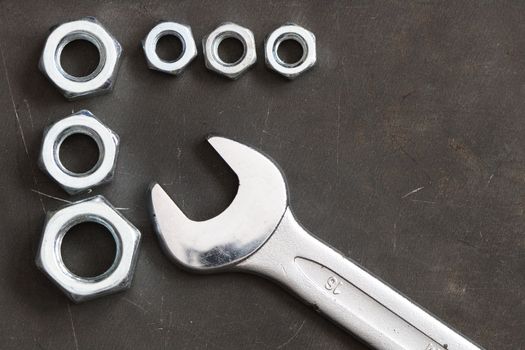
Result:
404,149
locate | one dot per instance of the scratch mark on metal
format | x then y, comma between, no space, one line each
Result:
413,191
284,270
422,201
135,304
50,196
265,123
292,337
65,200
29,113
19,125
72,325
338,136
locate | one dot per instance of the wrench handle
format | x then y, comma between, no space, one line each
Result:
349,295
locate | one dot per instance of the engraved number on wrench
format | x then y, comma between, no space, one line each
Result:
333,285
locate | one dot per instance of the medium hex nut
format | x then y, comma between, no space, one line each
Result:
211,50
304,37
83,122
189,49
127,238
102,79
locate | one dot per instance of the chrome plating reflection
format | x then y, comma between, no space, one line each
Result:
238,231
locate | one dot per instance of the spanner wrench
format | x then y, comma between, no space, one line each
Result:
258,233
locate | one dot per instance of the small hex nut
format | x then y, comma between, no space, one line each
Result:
183,33
127,239
82,122
211,44
102,79
304,37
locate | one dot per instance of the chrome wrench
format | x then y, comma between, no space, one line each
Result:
258,233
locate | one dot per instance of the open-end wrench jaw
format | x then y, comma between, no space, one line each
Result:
237,232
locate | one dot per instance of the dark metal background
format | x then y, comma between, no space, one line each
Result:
406,95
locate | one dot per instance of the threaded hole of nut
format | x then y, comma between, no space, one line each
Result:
80,58
88,249
230,50
169,47
290,51
79,153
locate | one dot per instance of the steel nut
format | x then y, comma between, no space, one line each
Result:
189,49
211,50
83,122
299,34
127,238
102,79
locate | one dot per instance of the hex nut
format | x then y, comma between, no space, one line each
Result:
189,49
82,122
127,239
102,79
211,43
304,37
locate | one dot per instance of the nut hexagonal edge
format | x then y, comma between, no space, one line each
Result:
191,50
109,83
248,64
108,178
121,284
312,60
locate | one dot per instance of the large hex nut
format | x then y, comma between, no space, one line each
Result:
83,122
211,50
304,37
127,238
102,79
189,49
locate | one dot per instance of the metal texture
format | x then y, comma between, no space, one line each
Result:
211,43
82,122
274,245
189,49
299,34
404,95
127,238
102,79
